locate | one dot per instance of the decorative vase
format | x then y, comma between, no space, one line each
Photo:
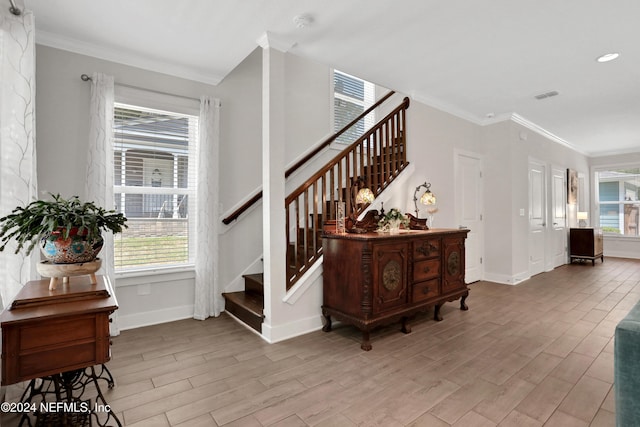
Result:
394,226
73,249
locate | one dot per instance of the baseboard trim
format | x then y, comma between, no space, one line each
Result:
291,330
504,279
148,318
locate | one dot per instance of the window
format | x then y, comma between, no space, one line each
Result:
619,200
154,186
351,96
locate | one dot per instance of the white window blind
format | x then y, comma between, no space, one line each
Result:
154,186
351,96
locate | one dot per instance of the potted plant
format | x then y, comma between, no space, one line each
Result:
392,220
70,230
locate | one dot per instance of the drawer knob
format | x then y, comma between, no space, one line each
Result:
425,290
427,269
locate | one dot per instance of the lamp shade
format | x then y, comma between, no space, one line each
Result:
364,195
428,198
582,218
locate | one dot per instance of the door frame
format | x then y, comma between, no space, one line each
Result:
479,233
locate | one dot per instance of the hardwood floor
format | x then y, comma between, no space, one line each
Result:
539,353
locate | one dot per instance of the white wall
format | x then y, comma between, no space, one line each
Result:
509,146
500,212
432,137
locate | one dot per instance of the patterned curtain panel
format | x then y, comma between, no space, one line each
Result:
18,182
208,295
99,184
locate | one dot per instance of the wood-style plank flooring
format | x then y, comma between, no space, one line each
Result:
536,354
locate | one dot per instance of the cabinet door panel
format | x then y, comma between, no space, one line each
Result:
453,264
390,276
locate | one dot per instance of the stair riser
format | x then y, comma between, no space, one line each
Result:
249,318
254,284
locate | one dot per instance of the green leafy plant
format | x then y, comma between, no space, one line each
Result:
610,230
39,219
394,215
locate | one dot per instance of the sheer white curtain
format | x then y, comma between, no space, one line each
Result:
18,183
208,295
99,183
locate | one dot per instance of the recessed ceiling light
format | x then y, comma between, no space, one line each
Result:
608,57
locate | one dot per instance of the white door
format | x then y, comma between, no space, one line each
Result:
469,211
537,217
559,216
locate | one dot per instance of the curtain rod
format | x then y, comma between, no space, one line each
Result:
13,9
86,78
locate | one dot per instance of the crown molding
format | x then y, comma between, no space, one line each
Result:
447,108
516,118
513,117
270,41
89,49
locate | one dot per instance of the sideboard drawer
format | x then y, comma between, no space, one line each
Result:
425,290
423,249
425,270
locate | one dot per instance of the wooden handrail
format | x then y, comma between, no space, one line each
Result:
373,160
343,153
256,197
333,137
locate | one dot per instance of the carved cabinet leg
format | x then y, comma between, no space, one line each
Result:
366,344
463,305
436,313
406,326
327,323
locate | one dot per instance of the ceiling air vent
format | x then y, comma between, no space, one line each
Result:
546,95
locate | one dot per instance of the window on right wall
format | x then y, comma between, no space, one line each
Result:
351,97
619,200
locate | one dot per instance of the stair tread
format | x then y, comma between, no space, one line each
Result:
252,302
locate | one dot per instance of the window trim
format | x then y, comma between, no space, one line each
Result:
595,170
140,98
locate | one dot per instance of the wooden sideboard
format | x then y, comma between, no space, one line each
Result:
373,279
586,243
45,332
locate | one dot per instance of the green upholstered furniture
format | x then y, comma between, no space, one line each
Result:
627,369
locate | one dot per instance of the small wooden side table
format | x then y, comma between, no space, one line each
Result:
59,335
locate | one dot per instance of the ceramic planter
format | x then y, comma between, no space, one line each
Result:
73,249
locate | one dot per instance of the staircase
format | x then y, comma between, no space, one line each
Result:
247,305
374,160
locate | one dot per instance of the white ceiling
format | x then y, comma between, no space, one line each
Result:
480,60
